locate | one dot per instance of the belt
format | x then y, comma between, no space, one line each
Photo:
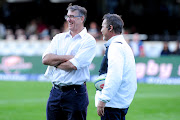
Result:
66,88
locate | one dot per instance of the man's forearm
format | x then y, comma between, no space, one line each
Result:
67,66
54,60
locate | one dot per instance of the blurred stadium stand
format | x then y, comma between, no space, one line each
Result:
22,47
35,47
155,21
151,17
154,25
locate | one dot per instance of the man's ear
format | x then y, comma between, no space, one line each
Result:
83,19
110,28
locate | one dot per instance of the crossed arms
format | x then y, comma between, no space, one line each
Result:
59,61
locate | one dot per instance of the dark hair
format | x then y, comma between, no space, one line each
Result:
114,20
82,11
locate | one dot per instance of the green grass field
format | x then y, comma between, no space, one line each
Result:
27,101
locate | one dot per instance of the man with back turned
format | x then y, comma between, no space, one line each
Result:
119,65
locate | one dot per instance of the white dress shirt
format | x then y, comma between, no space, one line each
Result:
82,47
121,82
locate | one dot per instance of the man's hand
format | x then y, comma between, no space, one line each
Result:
100,108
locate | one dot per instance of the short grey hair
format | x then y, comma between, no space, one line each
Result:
82,11
114,20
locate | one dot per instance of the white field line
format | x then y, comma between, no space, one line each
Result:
175,95
22,101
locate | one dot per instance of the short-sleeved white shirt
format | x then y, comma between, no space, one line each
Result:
82,46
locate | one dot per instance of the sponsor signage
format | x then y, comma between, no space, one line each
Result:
162,70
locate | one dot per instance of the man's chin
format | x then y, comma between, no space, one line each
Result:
104,38
70,28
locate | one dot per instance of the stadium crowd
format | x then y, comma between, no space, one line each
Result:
36,29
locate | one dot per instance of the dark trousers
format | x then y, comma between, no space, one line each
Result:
114,114
67,105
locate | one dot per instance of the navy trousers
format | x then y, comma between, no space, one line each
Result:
67,105
114,114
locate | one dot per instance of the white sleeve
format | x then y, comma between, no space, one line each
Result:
85,54
115,72
52,47
49,72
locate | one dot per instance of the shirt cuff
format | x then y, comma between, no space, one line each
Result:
49,72
43,55
104,98
105,101
74,62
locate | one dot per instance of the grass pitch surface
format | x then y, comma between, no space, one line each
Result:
27,101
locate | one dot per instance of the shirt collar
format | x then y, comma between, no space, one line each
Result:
107,44
81,34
